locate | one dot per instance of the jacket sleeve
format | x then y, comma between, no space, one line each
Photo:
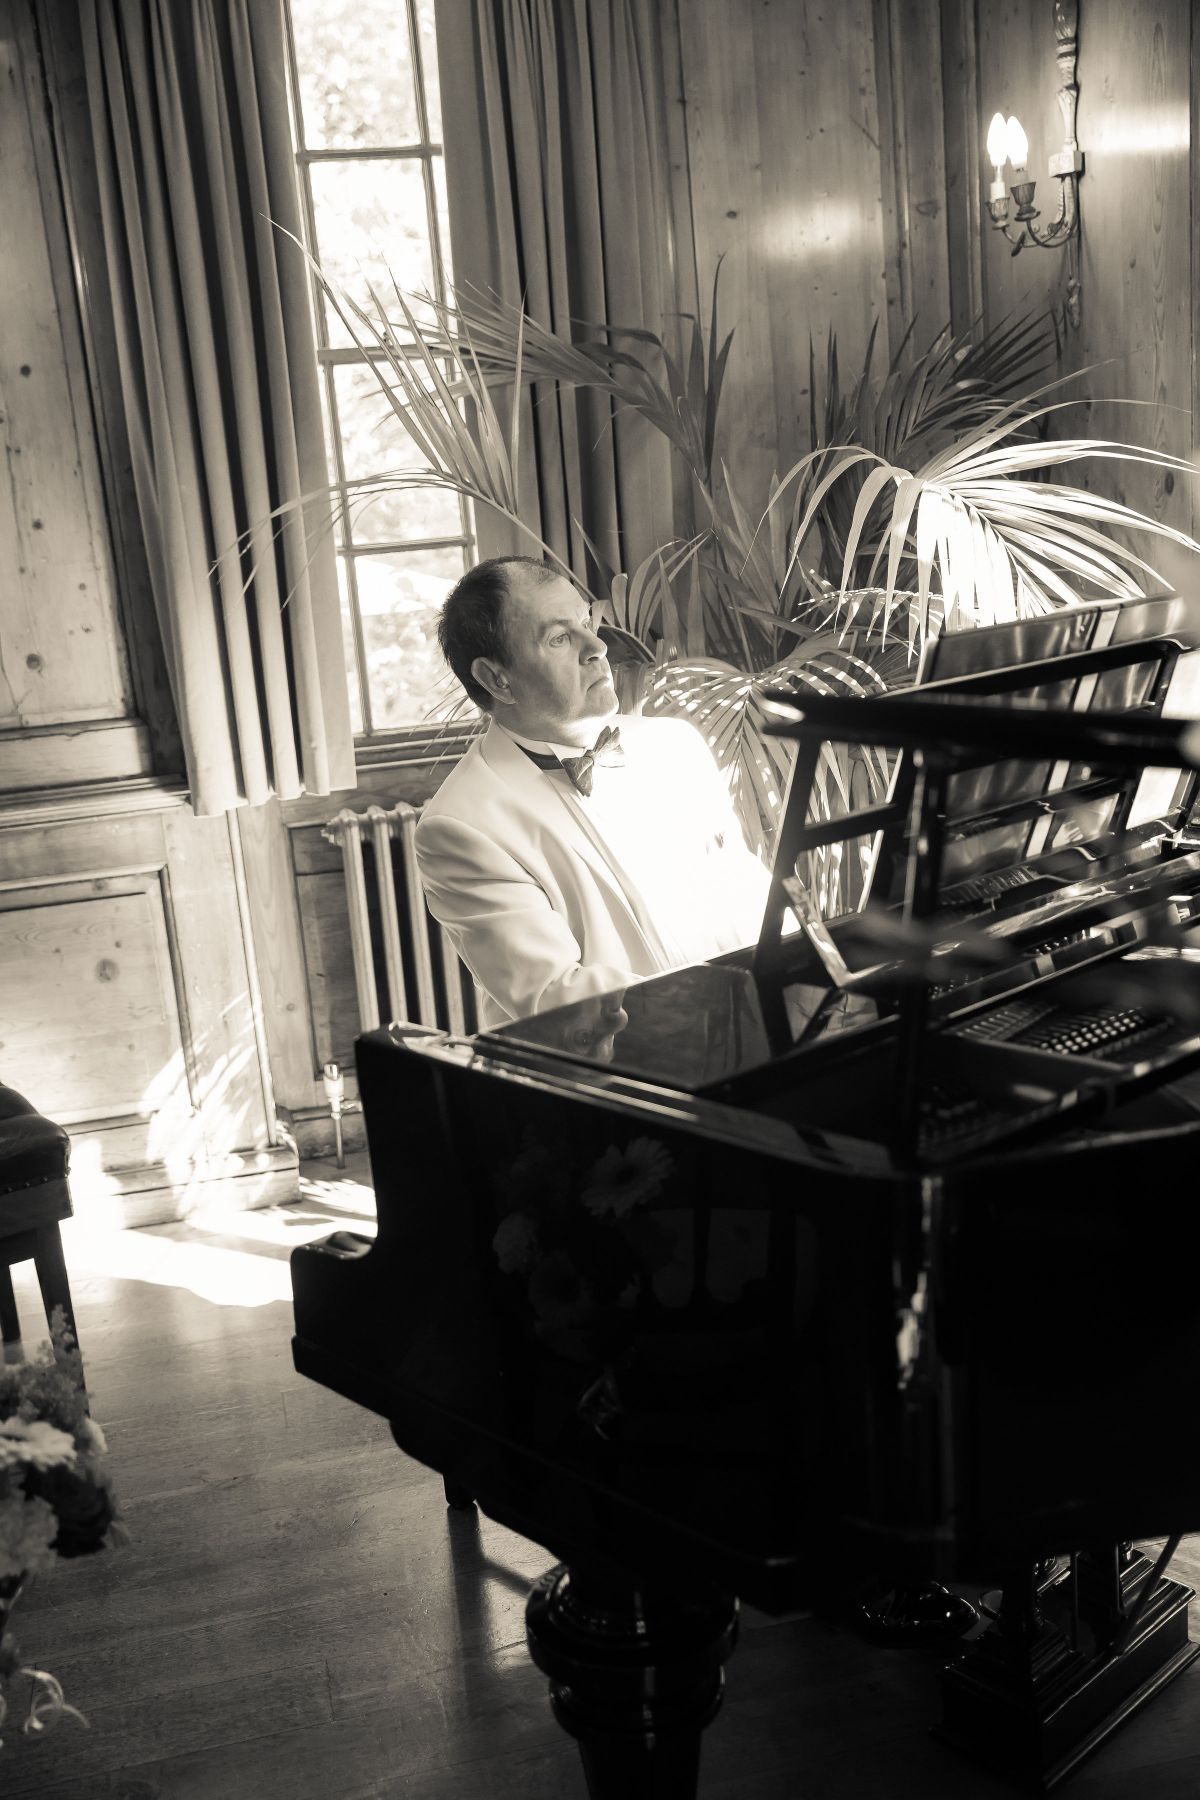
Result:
519,950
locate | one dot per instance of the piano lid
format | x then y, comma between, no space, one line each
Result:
692,1030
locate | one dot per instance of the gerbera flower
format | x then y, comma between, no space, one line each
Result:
622,1179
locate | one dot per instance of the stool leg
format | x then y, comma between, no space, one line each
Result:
52,1274
10,1324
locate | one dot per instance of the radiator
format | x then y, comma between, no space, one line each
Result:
405,966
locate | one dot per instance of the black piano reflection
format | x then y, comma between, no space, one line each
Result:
868,1252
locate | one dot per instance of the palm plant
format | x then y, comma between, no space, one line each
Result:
925,503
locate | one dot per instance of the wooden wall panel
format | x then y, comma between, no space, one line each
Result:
963,153
1136,334
61,654
783,140
218,982
130,1005
91,1020
908,61
328,961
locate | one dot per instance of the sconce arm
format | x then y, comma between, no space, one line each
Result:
1065,223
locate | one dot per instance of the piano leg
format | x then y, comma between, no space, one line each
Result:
635,1675
458,1498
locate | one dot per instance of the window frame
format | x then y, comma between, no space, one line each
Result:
421,738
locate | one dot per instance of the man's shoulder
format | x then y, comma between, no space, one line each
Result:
465,789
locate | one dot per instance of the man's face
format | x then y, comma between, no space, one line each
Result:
556,682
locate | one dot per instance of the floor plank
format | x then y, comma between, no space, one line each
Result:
297,1616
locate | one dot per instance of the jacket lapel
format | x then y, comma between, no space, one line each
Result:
542,792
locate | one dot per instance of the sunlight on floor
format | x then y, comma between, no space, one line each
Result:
224,1277
225,1255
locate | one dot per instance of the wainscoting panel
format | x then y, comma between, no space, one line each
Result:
328,960
89,997
130,1007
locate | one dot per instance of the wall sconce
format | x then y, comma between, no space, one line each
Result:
1007,143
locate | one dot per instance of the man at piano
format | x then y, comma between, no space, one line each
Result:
572,852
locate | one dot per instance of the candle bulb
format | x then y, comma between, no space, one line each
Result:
1017,144
997,150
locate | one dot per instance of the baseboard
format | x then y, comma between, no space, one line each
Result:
153,1194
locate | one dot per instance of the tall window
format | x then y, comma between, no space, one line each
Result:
369,148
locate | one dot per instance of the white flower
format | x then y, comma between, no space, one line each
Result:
35,1444
620,1180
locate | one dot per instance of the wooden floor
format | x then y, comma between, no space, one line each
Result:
297,1617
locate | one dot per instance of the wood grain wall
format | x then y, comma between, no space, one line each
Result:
834,159
782,122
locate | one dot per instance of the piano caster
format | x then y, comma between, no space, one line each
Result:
635,1676
1065,1663
929,1617
458,1498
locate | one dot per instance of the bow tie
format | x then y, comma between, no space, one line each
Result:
606,750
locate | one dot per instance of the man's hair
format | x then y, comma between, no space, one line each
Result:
471,622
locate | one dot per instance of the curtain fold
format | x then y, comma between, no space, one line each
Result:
557,175
215,341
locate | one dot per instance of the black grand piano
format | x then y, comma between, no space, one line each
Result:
855,1263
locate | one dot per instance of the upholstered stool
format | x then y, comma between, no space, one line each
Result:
34,1197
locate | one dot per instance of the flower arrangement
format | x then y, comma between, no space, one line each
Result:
55,1494
581,1241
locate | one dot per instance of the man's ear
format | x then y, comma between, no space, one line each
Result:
491,676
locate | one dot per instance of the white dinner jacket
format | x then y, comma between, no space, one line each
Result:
532,895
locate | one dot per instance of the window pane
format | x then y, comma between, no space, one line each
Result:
400,597
372,436
372,227
356,710
355,69
429,67
374,441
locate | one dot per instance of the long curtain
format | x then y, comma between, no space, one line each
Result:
193,148
557,177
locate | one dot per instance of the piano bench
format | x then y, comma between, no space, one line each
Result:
34,1199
